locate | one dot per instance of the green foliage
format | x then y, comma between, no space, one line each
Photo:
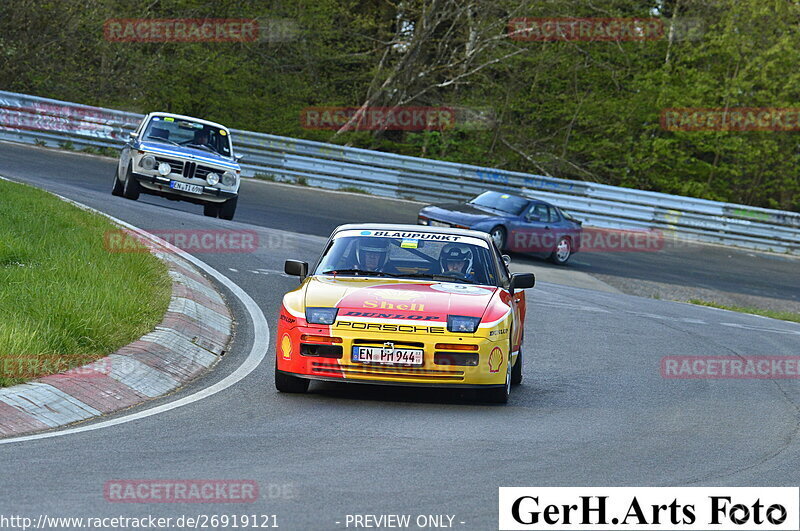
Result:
66,300
579,110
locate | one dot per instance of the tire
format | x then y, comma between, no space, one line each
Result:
516,371
286,383
131,189
228,208
499,395
499,234
211,210
562,252
116,189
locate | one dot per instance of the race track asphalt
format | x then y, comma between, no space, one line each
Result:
594,408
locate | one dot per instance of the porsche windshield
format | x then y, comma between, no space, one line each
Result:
468,262
502,202
188,133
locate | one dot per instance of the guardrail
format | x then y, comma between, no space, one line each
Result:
50,122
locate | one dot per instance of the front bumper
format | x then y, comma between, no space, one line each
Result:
158,185
442,367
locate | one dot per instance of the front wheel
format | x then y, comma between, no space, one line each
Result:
498,235
286,383
562,252
116,189
516,371
228,208
131,188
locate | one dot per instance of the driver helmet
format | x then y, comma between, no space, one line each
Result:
372,253
456,257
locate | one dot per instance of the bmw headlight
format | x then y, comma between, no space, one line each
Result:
148,162
212,179
325,316
460,324
229,179
164,168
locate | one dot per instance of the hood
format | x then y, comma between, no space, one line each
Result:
199,155
383,299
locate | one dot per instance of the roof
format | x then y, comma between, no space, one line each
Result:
413,228
192,118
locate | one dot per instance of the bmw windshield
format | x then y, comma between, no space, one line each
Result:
188,133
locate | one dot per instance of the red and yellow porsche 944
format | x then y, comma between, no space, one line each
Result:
404,305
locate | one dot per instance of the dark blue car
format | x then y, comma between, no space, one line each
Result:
516,223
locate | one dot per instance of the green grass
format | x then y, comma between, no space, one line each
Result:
784,316
64,299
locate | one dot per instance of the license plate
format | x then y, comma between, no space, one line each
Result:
388,356
183,187
439,224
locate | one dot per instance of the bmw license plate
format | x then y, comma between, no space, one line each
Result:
183,187
388,356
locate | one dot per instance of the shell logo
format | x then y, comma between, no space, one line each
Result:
495,359
286,347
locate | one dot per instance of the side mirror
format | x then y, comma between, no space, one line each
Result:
296,268
506,260
238,157
522,281
134,136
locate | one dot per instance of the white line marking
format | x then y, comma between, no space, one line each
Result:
254,357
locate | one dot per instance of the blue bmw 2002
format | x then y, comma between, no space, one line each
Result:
183,159
516,223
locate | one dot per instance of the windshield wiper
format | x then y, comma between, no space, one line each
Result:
357,272
438,276
162,139
207,148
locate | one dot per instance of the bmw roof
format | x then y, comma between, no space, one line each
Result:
190,118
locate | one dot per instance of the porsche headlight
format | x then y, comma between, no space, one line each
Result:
325,316
148,162
229,179
212,179
461,324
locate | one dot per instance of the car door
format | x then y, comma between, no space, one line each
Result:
533,234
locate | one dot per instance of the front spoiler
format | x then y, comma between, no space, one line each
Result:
392,383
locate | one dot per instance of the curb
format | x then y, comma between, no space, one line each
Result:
191,338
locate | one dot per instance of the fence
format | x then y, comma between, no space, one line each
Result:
49,122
